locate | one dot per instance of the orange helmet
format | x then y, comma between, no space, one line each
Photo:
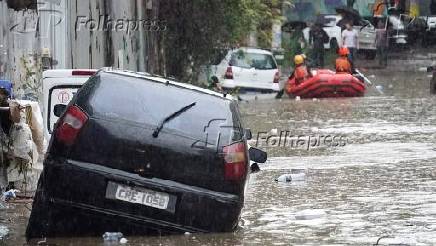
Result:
344,51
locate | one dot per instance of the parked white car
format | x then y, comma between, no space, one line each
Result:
431,23
366,34
398,35
247,68
59,87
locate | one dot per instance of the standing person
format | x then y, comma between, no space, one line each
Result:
292,48
9,114
382,44
350,39
5,126
317,38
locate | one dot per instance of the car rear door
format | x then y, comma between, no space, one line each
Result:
254,70
123,116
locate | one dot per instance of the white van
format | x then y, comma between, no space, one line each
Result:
59,87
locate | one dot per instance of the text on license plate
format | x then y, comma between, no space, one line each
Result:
145,197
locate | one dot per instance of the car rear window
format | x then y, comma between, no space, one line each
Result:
145,102
253,60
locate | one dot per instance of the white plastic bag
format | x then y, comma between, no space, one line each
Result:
21,142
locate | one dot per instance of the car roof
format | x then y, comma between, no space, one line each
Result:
63,73
253,50
163,80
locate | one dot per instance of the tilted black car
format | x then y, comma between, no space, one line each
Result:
139,154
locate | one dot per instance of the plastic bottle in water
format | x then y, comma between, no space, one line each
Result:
285,178
112,236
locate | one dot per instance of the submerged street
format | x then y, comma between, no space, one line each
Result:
380,185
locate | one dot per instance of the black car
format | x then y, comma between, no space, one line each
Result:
433,80
140,154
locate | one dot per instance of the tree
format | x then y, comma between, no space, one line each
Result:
197,29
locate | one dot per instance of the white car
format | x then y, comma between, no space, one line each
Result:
58,88
247,68
399,35
366,31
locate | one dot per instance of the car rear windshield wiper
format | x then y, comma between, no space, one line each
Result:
170,117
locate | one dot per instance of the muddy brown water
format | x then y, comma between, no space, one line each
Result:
380,183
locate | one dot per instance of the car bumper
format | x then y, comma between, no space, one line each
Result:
76,191
232,84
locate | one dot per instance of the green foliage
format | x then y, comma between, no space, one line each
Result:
196,29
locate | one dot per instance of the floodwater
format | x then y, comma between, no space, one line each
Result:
379,184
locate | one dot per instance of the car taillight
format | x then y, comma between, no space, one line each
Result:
277,77
229,73
82,73
235,166
70,125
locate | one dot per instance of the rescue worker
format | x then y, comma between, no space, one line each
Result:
343,64
301,72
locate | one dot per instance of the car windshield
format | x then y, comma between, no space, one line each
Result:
253,60
145,102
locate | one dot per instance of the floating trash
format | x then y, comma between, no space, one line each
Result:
310,214
112,236
286,178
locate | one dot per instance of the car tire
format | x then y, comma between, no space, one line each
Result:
39,216
433,85
370,54
334,45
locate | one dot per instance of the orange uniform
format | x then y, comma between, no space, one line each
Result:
301,73
343,65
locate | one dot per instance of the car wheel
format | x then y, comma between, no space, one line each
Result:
370,54
433,85
38,220
334,44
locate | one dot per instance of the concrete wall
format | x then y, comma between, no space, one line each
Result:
53,28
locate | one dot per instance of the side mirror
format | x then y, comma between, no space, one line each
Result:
248,134
430,69
257,155
254,168
59,109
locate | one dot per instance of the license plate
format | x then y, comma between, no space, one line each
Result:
150,198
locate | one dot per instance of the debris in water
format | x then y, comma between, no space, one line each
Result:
379,87
3,231
286,178
10,194
274,132
123,240
112,236
297,98
310,214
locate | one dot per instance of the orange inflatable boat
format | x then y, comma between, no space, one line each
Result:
325,83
